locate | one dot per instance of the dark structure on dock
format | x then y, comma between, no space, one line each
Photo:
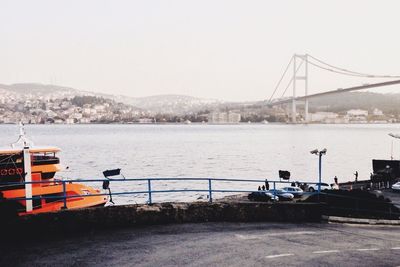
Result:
385,173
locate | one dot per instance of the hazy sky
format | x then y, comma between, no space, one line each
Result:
233,50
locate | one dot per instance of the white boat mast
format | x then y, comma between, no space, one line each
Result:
25,143
28,179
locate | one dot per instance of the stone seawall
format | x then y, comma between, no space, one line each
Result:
68,221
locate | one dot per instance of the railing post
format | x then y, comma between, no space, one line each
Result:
64,195
209,190
149,190
274,190
319,172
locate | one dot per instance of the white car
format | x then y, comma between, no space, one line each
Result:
294,190
396,186
314,187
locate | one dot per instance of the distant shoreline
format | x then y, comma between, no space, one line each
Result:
205,124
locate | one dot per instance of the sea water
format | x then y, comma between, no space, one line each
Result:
243,151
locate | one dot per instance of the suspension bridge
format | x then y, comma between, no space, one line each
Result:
300,72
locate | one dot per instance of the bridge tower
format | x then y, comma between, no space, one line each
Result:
300,72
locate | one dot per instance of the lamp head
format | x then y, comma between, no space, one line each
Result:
315,151
394,135
323,151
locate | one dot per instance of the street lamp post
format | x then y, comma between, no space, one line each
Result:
319,153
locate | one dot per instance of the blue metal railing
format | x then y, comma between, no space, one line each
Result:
150,191
210,189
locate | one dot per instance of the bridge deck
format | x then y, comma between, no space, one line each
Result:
355,88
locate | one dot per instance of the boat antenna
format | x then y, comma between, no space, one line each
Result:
22,139
391,152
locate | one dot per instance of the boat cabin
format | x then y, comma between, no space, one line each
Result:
44,165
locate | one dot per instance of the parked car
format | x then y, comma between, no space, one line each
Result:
396,186
294,190
314,187
262,196
273,198
282,195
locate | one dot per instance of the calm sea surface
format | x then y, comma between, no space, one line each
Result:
219,151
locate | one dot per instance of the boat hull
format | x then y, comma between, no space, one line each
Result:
50,197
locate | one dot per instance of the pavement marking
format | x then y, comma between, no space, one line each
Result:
367,249
259,236
325,251
279,255
396,248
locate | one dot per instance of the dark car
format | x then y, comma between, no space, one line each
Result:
281,194
261,196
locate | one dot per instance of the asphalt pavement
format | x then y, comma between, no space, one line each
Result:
214,244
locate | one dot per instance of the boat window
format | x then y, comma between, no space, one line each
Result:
5,158
44,155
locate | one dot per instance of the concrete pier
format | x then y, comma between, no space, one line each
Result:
163,213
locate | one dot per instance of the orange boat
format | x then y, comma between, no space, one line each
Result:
28,173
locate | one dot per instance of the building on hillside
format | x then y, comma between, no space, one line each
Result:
77,116
233,117
69,121
377,112
322,116
84,120
337,120
224,117
357,113
146,120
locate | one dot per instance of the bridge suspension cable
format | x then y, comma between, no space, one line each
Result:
291,80
318,63
346,71
279,83
336,71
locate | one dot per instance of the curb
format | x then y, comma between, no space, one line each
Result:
335,219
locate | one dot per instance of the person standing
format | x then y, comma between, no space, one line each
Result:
266,184
356,175
335,184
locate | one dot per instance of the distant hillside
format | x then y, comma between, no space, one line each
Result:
36,88
183,104
173,104
176,104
